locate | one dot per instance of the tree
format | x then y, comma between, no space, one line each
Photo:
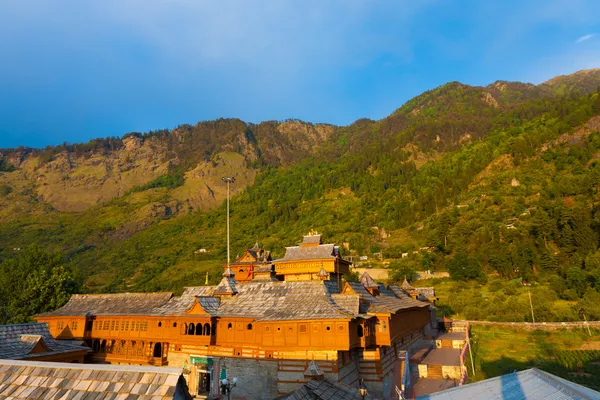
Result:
35,281
406,268
462,267
576,280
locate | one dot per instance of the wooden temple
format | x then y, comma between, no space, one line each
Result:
265,331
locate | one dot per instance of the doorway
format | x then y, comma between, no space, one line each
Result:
203,383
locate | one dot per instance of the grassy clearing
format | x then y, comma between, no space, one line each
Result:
501,350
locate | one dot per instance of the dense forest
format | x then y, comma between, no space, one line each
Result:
499,183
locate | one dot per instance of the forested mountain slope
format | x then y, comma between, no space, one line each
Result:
498,179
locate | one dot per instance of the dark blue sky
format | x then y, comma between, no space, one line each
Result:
74,70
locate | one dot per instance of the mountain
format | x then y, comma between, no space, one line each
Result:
504,175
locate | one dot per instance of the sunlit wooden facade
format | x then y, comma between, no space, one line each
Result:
354,329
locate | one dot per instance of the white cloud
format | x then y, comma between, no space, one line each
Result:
585,37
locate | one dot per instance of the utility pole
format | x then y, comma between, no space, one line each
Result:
530,302
228,180
585,323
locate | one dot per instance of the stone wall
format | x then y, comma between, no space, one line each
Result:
257,379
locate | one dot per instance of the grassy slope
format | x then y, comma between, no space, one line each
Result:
500,350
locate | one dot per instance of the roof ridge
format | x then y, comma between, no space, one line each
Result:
101,367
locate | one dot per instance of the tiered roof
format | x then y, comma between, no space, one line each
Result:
311,248
42,380
263,301
26,341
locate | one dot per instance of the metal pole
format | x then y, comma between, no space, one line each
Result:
531,305
470,351
228,259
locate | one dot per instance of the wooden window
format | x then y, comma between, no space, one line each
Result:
302,328
249,327
137,326
315,328
73,325
237,352
125,326
60,325
229,326
159,324
144,326
268,354
174,324
328,328
117,323
267,329
112,325
341,328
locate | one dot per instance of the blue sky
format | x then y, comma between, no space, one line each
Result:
74,70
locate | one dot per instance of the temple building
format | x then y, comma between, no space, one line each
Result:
312,260
265,331
255,263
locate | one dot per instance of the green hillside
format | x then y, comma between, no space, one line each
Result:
500,181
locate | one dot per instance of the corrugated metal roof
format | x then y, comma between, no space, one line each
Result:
531,384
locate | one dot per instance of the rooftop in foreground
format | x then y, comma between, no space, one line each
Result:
42,380
531,384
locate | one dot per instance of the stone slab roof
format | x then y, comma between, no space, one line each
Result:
17,342
326,389
348,302
428,292
198,291
367,281
42,380
111,304
273,301
309,253
386,302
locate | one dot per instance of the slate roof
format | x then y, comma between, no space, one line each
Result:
326,389
367,281
227,285
18,340
530,384
428,292
386,302
309,253
406,285
210,304
111,304
347,302
311,239
275,301
43,380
